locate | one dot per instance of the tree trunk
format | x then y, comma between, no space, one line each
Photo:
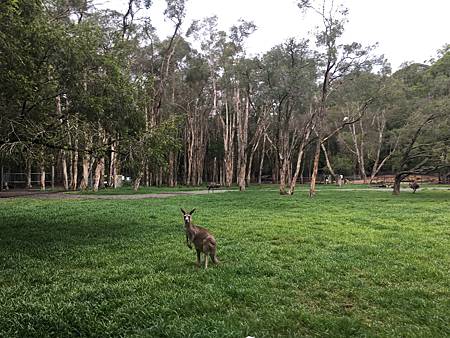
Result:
381,124
75,166
214,175
229,126
283,175
64,170
86,162
312,187
283,157
85,175
327,160
42,180
171,180
160,177
112,181
242,119
98,173
249,169
359,151
29,185
299,164
137,180
53,177
147,175
228,171
102,175
397,181
189,157
261,163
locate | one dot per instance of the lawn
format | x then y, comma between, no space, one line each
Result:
362,263
128,190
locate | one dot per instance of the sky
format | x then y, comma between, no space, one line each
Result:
406,30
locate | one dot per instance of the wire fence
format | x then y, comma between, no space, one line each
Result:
20,180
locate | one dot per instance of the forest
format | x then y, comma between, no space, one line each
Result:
95,94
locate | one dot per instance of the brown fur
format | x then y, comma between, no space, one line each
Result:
204,242
414,186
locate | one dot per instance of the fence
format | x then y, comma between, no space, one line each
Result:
20,180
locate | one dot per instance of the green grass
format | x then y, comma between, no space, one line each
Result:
128,190
347,263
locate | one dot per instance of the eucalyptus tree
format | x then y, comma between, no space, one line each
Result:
192,99
425,128
32,42
229,88
363,97
289,82
335,61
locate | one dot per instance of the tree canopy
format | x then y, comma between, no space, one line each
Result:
97,91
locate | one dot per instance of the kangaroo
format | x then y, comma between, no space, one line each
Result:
213,186
203,241
414,186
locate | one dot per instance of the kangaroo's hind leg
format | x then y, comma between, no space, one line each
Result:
213,256
198,257
208,250
206,261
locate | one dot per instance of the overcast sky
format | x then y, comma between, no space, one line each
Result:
406,30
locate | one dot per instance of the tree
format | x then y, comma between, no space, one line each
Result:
336,60
289,75
425,137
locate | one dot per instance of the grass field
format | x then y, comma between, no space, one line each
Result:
128,190
347,263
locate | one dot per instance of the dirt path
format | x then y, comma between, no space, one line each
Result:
62,195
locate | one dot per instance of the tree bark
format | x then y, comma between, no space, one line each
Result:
171,169
64,169
299,162
113,166
28,165
85,174
98,173
102,176
85,162
42,180
242,119
137,180
359,150
53,176
398,179
381,124
327,160
214,175
74,181
261,163
228,127
312,188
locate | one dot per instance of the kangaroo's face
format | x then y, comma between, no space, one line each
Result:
187,216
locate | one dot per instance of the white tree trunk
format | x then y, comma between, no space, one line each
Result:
98,173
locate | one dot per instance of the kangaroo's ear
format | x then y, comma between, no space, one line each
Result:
192,211
184,212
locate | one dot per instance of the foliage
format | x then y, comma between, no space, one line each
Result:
80,82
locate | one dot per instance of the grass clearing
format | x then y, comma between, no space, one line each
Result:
361,263
128,190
